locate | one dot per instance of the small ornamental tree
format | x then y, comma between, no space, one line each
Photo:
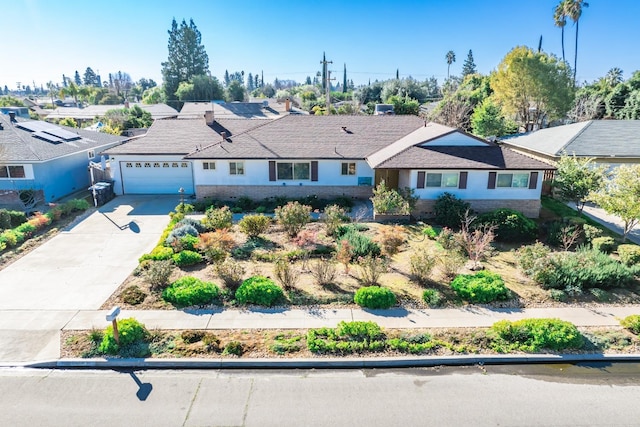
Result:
293,217
576,178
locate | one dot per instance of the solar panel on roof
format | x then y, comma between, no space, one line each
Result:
61,133
47,137
34,126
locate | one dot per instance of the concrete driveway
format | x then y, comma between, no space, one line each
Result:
80,267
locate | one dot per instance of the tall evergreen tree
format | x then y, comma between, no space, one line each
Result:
187,57
64,80
76,78
250,85
344,79
469,67
257,81
324,72
261,78
397,73
90,78
227,79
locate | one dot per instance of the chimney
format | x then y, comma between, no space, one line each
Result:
126,104
287,105
208,117
223,134
12,116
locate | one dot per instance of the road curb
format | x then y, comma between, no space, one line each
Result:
328,363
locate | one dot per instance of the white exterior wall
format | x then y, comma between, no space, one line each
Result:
116,174
455,139
477,187
256,172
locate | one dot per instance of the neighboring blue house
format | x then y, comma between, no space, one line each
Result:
42,162
19,111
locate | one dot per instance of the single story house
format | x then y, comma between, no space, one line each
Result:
256,109
326,156
90,112
610,142
51,161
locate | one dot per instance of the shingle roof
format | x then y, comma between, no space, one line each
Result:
245,110
319,137
19,145
157,111
595,138
461,157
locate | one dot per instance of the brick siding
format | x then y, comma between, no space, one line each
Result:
530,208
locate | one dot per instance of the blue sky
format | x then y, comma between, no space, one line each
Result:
42,39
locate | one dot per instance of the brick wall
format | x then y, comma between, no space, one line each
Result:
259,192
530,208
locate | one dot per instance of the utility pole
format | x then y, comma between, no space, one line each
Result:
327,73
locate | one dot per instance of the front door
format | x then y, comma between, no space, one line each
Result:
390,177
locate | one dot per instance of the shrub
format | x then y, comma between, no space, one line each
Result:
511,225
475,243
293,217
216,245
632,323
390,238
39,221
583,269
133,295
360,245
629,254
359,331
191,336
558,295
374,297
591,232
323,271
130,332
159,253
450,263
231,273
76,205
157,273
16,218
422,263
187,242
179,232
389,201
259,290
286,273
9,237
533,335
333,216
432,297
218,218
188,291
528,256
481,287
430,232
3,245
5,219
603,244
184,208
254,225
26,229
186,258
446,239
244,203
233,348
449,210
198,225
371,268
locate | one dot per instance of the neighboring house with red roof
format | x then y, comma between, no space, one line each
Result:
325,156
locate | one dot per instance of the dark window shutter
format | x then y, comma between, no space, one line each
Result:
421,177
462,182
492,181
314,171
272,171
533,180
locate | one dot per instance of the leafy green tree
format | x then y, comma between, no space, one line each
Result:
620,196
187,57
154,95
71,89
631,110
403,105
68,121
235,91
468,67
576,178
532,86
10,101
617,99
90,78
200,88
487,119
451,58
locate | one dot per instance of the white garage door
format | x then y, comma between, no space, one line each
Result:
142,177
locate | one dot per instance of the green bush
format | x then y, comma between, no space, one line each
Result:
360,244
532,335
449,210
604,244
422,263
233,348
179,232
583,269
432,297
632,323
259,290
512,225
528,256
159,253
130,332
358,330
293,217
254,225
231,273
198,225
26,229
481,287
188,291
76,205
5,219
133,295
374,297
9,238
390,201
158,273
629,254
371,268
430,232
218,218
186,258
16,218
333,216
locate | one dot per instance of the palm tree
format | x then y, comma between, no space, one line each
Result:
613,77
52,92
71,90
451,58
574,11
560,18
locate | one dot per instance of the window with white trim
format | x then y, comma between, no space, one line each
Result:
448,179
349,168
12,172
91,154
209,166
236,168
293,170
512,180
